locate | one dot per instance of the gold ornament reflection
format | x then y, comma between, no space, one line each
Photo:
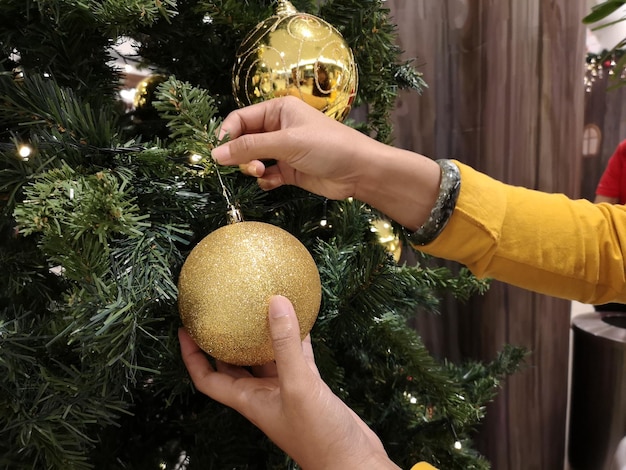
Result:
145,92
297,54
387,238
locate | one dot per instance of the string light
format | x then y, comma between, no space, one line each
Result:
195,158
597,65
324,223
24,151
457,442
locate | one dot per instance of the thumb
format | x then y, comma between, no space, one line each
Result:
286,341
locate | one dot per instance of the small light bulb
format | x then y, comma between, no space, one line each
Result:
458,445
195,158
24,151
323,223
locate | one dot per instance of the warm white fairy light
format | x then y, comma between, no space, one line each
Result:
128,95
15,55
195,158
458,445
411,398
24,151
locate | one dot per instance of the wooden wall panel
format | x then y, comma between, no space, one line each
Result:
505,96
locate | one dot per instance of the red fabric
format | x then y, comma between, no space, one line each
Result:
613,180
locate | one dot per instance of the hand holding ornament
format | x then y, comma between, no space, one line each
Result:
328,158
289,401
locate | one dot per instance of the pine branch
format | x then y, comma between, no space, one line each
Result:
96,222
38,32
43,105
190,114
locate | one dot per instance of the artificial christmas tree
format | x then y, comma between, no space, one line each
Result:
101,206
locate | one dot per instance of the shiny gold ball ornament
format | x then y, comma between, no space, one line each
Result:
297,54
387,238
145,91
226,283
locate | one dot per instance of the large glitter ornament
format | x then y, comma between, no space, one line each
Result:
226,283
297,54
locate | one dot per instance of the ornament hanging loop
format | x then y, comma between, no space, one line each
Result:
234,214
285,8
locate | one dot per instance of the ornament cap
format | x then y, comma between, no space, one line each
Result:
285,8
234,215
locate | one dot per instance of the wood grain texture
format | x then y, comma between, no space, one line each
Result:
505,96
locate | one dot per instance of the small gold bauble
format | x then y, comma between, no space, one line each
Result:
297,54
227,280
145,91
387,237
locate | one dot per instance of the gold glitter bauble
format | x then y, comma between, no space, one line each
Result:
226,283
387,238
297,54
145,91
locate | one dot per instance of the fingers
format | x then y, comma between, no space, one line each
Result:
237,372
288,353
262,117
215,385
267,178
254,168
307,350
261,131
252,146
265,370
196,362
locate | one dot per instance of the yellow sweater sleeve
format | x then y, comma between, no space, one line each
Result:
542,242
423,466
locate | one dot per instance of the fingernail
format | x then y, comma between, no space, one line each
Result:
279,306
271,182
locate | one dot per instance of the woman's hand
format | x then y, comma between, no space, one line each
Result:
312,150
327,158
289,401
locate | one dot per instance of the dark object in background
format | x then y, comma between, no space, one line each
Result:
598,401
610,307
